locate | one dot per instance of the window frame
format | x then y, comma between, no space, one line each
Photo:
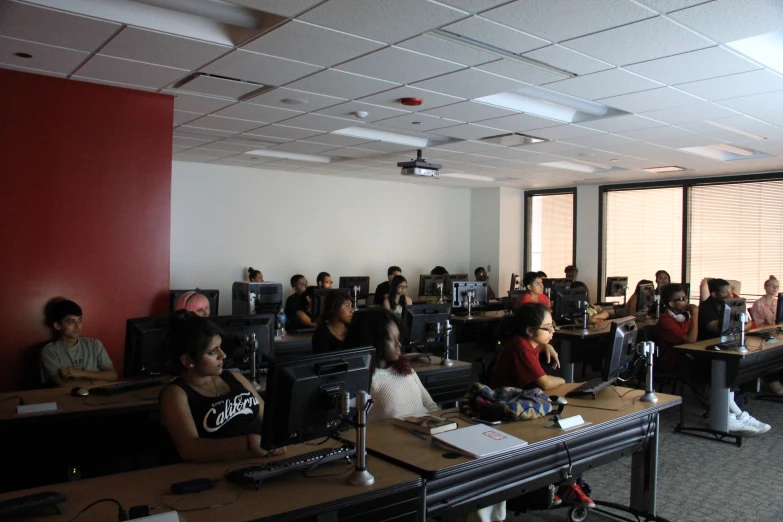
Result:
527,221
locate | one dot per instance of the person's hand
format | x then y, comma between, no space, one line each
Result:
278,451
68,372
692,308
551,356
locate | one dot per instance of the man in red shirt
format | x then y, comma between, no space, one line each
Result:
678,324
535,290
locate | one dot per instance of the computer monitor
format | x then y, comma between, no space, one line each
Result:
729,323
236,336
779,311
456,277
459,292
256,298
616,286
146,346
623,335
514,283
568,305
424,325
428,285
213,296
363,282
645,297
303,394
553,283
320,296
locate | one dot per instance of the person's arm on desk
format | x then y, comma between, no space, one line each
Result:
551,354
304,320
106,374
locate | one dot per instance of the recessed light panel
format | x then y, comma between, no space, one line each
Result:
660,170
726,152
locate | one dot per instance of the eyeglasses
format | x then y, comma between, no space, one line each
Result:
404,287
550,328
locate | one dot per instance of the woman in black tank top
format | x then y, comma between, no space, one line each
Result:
210,414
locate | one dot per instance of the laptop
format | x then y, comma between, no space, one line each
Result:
477,441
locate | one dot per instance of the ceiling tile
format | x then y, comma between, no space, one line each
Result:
689,113
599,141
274,98
742,123
181,117
474,6
342,84
558,20
401,19
224,124
669,136
189,142
44,57
129,72
496,35
568,60
338,140
470,84
216,133
47,26
430,99
564,132
38,71
406,121
520,123
520,71
469,131
320,122
667,6
461,147
253,112
603,84
162,49
549,147
693,66
229,147
469,112
399,65
303,147
352,152
651,100
261,68
621,123
374,112
284,132
730,20
312,44
278,7
446,50
215,86
639,42
734,86
511,153
194,103
381,146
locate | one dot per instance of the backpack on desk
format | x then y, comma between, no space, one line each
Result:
504,404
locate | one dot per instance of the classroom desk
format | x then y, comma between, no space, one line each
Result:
729,368
444,383
460,485
396,494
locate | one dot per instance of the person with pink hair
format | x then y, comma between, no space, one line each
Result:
193,302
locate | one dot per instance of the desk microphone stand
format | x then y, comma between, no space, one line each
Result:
363,402
585,318
657,299
445,361
469,297
252,342
356,298
744,319
647,350
440,291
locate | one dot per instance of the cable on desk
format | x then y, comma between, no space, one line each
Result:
21,400
317,462
121,514
213,506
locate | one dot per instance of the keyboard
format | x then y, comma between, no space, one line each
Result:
589,388
257,474
722,347
26,503
124,387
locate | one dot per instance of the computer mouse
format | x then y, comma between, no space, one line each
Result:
80,392
557,399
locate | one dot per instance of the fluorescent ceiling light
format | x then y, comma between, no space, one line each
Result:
497,51
767,49
512,139
386,136
659,170
734,150
290,155
579,167
726,152
735,130
472,177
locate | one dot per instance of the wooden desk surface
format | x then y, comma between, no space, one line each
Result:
293,337
282,494
433,364
754,344
388,440
490,315
601,327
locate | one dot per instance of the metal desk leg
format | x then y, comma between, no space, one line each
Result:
719,397
644,474
566,366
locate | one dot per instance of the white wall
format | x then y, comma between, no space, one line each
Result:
485,232
587,237
512,240
225,218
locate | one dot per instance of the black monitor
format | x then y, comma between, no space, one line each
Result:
363,282
645,297
256,298
568,304
303,394
623,335
428,285
514,283
318,300
456,277
424,325
729,323
616,286
146,346
779,311
460,289
213,296
236,334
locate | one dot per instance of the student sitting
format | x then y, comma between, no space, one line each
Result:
535,290
633,302
382,290
73,356
711,308
662,278
481,275
302,318
439,270
571,271
254,276
299,284
595,312
396,301
678,324
324,280
333,323
193,302
704,288
209,413
542,274
763,310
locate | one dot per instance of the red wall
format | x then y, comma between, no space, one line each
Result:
86,210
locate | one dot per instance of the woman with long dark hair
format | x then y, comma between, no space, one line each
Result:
397,299
333,323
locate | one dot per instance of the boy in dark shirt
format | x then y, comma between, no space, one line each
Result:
711,308
299,284
382,290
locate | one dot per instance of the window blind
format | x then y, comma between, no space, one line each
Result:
551,233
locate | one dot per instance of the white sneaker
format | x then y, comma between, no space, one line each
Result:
741,428
749,420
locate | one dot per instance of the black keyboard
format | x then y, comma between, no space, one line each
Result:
257,474
123,387
26,503
589,388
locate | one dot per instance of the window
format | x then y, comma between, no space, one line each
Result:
735,233
549,231
642,234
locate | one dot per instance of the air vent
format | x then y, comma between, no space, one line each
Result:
512,139
222,86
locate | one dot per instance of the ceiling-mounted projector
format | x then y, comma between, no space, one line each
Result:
419,167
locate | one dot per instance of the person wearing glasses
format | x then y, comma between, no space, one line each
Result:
535,290
397,300
763,310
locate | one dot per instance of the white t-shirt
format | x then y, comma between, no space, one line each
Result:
397,395
87,354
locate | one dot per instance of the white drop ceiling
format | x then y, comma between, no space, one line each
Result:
315,63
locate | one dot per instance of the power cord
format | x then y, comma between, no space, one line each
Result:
121,514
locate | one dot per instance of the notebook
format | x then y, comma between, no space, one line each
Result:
477,441
428,424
